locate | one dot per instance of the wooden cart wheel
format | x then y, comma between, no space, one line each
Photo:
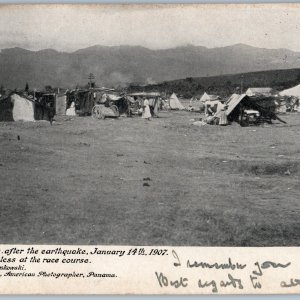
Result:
115,109
101,114
95,112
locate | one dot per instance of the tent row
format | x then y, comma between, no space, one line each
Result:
17,106
285,101
40,106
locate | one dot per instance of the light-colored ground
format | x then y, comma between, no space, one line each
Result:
82,181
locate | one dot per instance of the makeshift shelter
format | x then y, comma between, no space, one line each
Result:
239,105
61,104
145,94
119,101
175,103
292,98
103,89
45,104
287,104
206,97
83,99
154,99
211,107
6,109
84,102
264,91
16,108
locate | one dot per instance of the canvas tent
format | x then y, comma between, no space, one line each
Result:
16,108
206,97
265,91
238,104
175,103
233,102
294,91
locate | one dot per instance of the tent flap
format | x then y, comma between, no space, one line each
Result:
233,102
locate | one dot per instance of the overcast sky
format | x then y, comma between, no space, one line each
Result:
71,27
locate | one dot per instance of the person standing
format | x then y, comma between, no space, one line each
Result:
51,113
223,121
146,112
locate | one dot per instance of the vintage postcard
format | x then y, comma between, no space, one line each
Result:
150,149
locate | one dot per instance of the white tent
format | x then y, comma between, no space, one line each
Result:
206,97
23,109
265,91
294,91
175,103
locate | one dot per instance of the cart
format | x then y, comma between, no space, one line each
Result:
100,111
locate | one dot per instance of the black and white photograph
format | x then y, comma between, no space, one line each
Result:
157,124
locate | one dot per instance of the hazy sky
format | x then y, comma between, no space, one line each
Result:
70,27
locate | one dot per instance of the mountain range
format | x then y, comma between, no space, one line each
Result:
122,65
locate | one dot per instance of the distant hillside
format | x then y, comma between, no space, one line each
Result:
225,85
122,65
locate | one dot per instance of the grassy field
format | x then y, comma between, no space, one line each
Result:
164,182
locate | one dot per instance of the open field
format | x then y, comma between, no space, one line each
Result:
164,182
